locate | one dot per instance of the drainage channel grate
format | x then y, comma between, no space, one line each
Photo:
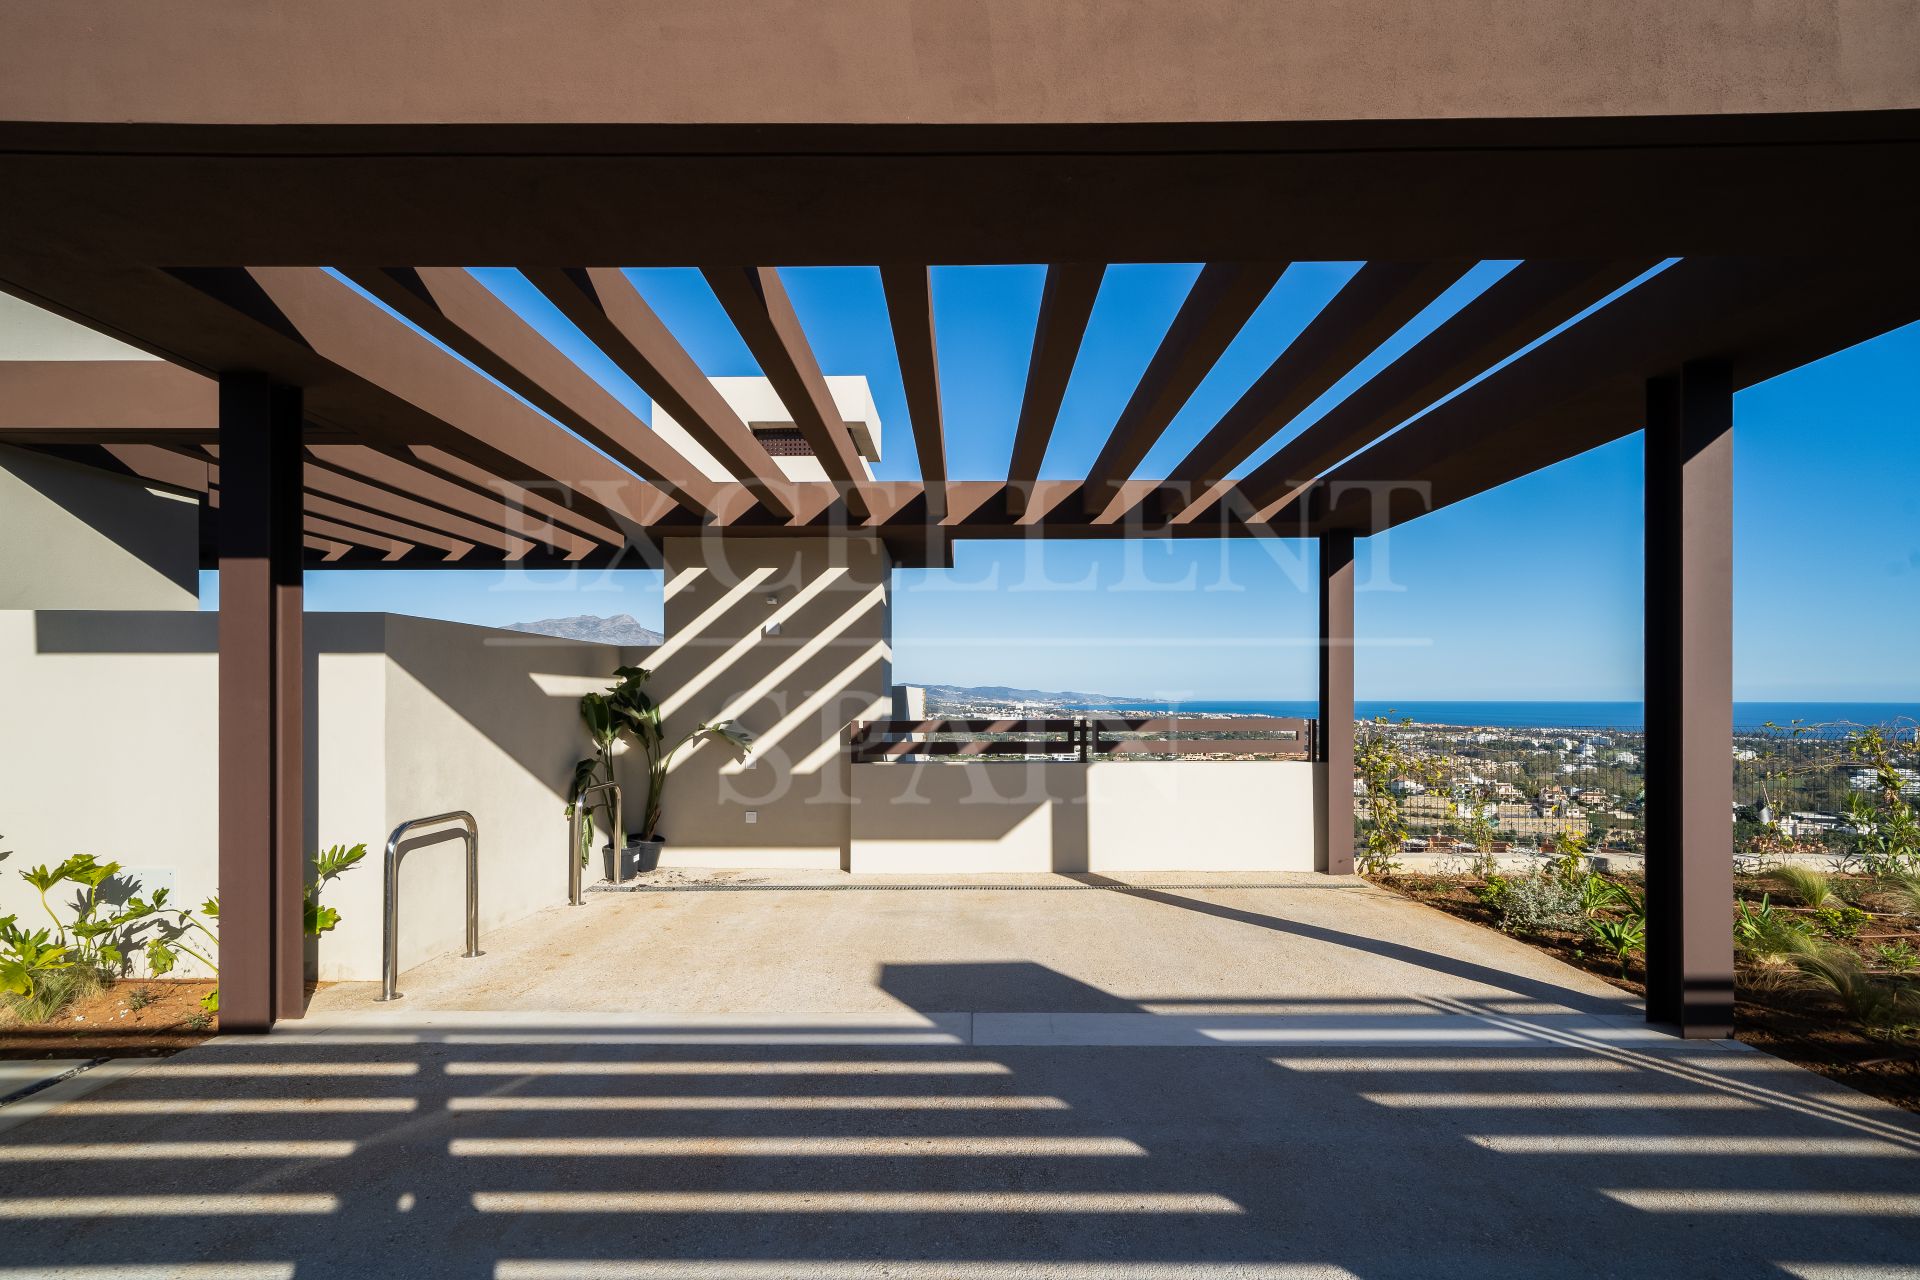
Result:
910,888
28,1090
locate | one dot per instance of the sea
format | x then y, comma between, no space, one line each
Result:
1748,717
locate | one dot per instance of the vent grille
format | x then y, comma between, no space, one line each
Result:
783,442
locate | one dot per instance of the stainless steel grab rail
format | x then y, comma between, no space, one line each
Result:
390,930
618,835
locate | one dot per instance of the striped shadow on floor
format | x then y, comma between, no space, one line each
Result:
1399,1029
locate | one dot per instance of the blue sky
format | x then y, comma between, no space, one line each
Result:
1530,591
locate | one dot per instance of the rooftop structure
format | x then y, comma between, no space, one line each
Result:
281,209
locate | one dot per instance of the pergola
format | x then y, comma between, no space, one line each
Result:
206,189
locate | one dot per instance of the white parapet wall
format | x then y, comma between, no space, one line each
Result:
1063,816
111,748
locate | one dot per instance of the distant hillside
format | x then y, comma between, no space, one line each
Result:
619,629
945,693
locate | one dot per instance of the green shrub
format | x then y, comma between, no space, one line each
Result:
42,972
1898,956
1841,921
1542,902
1569,851
1492,892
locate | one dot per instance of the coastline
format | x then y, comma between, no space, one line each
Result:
1619,717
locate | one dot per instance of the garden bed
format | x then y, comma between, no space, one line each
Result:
1774,1009
131,1018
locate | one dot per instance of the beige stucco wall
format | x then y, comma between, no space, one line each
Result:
111,748
790,636
1063,816
74,537
486,721
108,747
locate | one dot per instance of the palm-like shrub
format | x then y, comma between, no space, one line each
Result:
1620,937
628,710
1767,935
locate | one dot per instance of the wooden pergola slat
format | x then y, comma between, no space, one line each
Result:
401,479
1222,299
329,550
95,400
333,509
325,482
330,491
390,550
604,304
460,311
1066,304
756,300
1370,308
909,293
1586,386
1517,308
338,324
438,464
192,471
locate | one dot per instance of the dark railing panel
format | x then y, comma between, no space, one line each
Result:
876,741
1082,738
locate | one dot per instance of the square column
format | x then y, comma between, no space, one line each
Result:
1689,700
262,770
1334,742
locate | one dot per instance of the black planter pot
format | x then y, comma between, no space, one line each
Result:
638,857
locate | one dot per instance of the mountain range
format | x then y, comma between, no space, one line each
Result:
621,628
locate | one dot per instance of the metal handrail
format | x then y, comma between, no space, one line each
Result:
618,836
390,930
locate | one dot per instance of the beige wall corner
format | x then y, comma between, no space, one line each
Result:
76,537
792,637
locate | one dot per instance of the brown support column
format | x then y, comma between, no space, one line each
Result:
1689,700
1335,739
262,802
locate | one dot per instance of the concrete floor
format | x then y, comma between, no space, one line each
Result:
967,1085
830,943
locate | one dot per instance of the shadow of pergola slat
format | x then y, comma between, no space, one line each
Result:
351,1155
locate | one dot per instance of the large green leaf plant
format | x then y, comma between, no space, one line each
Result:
628,710
40,971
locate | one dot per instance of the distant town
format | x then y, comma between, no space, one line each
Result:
1462,789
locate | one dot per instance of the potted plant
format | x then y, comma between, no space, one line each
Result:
628,711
